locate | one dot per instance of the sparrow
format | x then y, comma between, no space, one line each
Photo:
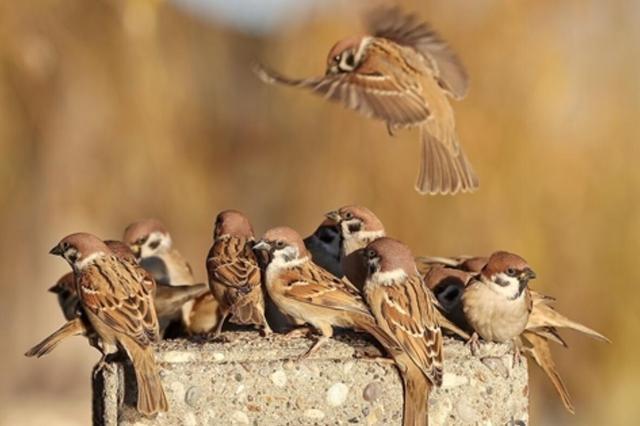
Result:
343,231
118,302
65,290
404,308
234,273
496,303
401,72
153,247
358,226
168,300
311,295
447,277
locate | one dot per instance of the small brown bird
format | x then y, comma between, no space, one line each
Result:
168,300
447,277
404,308
358,227
310,294
402,73
152,244
117,299
234,274
496,303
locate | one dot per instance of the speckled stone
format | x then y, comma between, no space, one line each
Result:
252,380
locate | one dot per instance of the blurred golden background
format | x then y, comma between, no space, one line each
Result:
111,111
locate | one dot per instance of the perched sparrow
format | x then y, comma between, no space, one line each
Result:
404,308
310,294
153,246
118,302
325,246
168,300
234,274
447,277
496,303
402,73
358,227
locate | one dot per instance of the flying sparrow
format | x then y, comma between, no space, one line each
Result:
117,299
153,246
402,73
234,274
310,294
404,308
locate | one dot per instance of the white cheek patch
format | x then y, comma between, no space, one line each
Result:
390,277
165,244
510,290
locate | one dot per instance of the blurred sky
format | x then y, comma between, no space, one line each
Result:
111,111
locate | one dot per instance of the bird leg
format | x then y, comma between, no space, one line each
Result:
516,354
474,344
314,348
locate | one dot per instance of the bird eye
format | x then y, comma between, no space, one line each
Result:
280,244
371,254
348,215
337,58
511,272
351,60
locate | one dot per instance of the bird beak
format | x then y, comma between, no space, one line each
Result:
56,251
528,274
135,248
262,246
333,215
55,289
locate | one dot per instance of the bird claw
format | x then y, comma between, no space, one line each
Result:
298,332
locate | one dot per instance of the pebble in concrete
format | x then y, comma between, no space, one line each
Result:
337,394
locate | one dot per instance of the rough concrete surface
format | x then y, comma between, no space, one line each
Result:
253,380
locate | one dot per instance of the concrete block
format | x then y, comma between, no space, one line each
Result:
252,380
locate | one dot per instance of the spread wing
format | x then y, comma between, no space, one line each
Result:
120,294
406,311
408,30
372,93
312,284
